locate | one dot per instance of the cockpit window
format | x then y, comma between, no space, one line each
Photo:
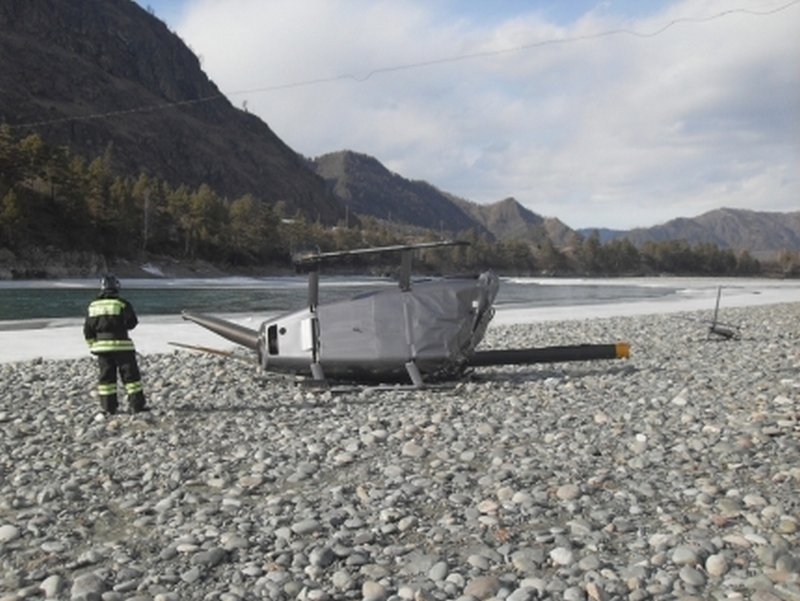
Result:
272,340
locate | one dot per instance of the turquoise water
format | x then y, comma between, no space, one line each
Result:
68,298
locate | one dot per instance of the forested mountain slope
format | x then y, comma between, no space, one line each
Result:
756,231
94,75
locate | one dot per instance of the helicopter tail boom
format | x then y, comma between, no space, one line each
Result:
227,329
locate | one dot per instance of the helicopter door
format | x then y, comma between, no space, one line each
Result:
308,334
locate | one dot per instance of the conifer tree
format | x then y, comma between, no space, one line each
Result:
12,219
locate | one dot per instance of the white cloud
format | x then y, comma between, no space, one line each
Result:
616,131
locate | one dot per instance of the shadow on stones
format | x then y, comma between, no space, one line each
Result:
540,375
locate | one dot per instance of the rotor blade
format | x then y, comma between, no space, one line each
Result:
405,270
302,259
210,350
313,289
551,354
227,329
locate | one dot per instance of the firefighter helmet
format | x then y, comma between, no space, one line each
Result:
109,283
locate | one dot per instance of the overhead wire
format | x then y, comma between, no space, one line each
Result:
567,40
413,65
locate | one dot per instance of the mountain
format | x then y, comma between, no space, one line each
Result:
605,234
107,77
365,186
759,232
94,74
368,187
509,220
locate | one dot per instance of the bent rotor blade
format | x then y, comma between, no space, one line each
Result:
552,354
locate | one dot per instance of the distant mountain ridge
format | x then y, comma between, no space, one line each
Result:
739,229
508,220
365,186
368,187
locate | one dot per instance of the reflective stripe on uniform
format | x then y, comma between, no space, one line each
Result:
106,306
107,389
109,346
133,387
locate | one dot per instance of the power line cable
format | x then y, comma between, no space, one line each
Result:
555,41
415,65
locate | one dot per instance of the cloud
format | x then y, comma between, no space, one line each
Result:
611,130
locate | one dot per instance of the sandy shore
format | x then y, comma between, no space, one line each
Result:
671,475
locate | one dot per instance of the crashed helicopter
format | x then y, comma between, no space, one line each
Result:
419,332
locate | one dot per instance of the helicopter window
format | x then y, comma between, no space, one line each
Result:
272,340
307,334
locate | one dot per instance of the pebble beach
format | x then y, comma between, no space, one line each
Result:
674,474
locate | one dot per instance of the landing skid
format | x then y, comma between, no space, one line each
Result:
344,389
318,380
349,388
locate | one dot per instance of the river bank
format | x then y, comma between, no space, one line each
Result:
249,301
672,475
52,264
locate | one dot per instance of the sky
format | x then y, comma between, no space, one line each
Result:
606,113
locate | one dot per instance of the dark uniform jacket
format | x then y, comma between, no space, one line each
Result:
108,320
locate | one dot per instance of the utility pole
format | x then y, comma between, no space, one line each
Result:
145,232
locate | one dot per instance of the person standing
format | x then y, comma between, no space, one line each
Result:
109,319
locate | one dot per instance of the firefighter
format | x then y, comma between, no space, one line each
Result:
108,320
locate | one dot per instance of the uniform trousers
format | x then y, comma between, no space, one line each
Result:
122,363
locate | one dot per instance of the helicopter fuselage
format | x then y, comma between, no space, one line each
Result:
435,324
422,331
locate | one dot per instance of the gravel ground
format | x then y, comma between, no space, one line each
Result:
672,475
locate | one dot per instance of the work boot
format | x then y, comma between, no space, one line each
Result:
137,403
109,404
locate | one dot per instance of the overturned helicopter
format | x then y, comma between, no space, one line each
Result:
419,332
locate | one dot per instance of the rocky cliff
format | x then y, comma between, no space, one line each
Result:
100,74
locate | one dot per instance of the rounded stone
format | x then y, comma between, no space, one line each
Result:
51,586
692,576
788,564
87,586
321,557
438,571
716,565
482,587
342,580
684,555
412,449
568,492
787,525
562,556
373,591
306,526
8,533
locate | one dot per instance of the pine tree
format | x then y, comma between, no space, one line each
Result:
12,219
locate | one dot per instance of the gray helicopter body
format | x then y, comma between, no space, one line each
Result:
421,331
373,336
